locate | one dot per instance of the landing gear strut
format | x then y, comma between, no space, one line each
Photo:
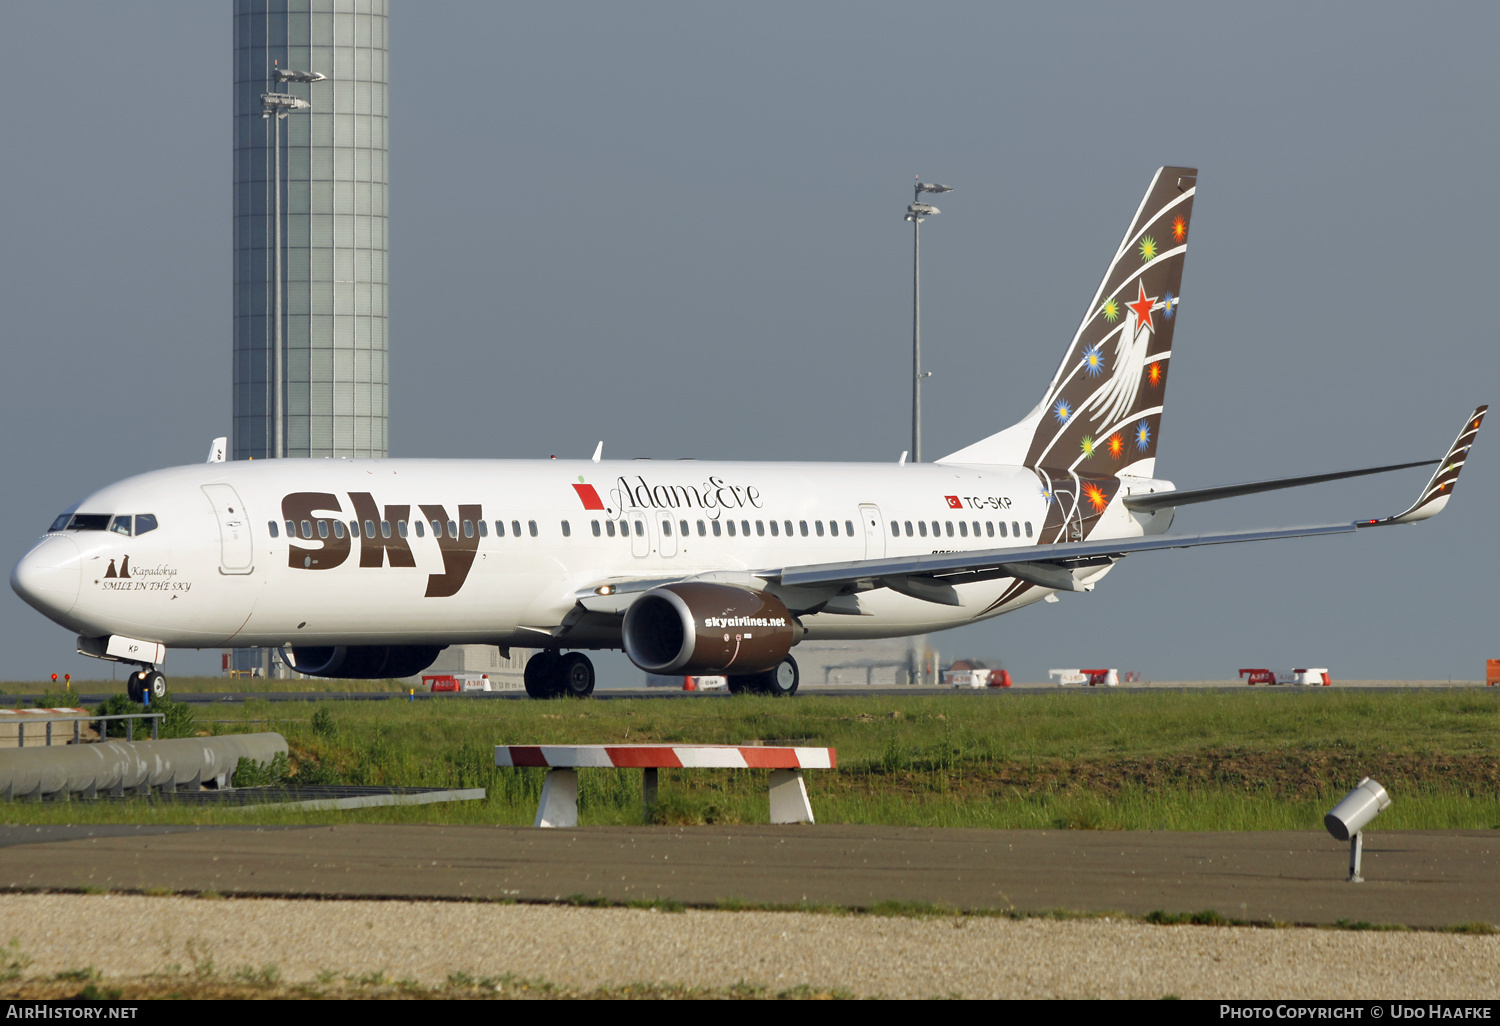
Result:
146,682
550,675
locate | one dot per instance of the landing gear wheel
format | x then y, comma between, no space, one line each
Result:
154,683
541,675
133,688
781,681
575,675
742,685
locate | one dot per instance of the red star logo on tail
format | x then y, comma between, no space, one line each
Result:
1142,307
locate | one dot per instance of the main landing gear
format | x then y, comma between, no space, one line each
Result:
551,675
146,682
780,681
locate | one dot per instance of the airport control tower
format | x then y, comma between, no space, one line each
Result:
310,85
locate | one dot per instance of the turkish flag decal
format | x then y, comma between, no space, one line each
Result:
588,496
953,502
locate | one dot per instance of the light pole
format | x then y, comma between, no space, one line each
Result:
916,214
278,106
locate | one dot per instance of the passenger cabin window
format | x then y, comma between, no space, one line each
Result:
272,528
354,528
499,528
338,529
452,530
532,525
950,529
484,531
760,528
849,528
609,525
922,528
306,529
908,528
989,529
802,524
401,528
682,528
1015,528
370,529
833,528
515,528
963,529
1002,529
976,529
385,529
818,524
788,525
774,532
717,529
420,532
1028,528
322,529
120,525
730,525
469,529
702,529
597,531
895,529
936,529
567,529
666,528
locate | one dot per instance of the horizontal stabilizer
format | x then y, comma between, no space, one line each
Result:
1163,500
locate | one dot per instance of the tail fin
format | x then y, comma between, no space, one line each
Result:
1102,413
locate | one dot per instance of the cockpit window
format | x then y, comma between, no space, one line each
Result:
89,522
120,525
145,522
61,522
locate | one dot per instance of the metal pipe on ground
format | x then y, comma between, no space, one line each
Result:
115,767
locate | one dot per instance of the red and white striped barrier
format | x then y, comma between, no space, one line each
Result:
559,804
665,756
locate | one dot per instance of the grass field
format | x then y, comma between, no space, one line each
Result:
1210,760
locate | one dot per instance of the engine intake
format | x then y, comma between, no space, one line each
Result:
695,628
360,662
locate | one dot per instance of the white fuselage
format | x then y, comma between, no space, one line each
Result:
219,569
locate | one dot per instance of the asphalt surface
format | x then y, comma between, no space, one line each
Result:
1413,878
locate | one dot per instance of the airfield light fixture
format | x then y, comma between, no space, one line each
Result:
276,107
1347,820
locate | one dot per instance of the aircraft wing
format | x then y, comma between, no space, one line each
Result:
931,577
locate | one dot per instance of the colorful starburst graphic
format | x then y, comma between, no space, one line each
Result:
1168,306
1093,361
1115,445
1087,445
1062,411
1046,497
1153,374
1148,248
1143,436
1179,229
1096,497
1110,310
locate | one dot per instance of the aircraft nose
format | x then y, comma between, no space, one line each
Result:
50,575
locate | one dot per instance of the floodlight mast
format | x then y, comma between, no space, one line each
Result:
276,106
916,213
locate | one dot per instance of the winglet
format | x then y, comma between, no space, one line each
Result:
598,451
1435,496
216,451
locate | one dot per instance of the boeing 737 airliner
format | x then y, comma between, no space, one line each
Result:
368,568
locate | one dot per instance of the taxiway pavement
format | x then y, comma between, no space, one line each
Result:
1413,878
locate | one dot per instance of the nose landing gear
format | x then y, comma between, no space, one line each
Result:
146,682
550,675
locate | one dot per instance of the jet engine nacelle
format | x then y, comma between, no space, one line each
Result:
701,628
360,662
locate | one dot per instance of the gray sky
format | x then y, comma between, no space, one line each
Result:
677,227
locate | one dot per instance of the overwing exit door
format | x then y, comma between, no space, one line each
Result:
869,516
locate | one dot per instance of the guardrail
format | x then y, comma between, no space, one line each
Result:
101,729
